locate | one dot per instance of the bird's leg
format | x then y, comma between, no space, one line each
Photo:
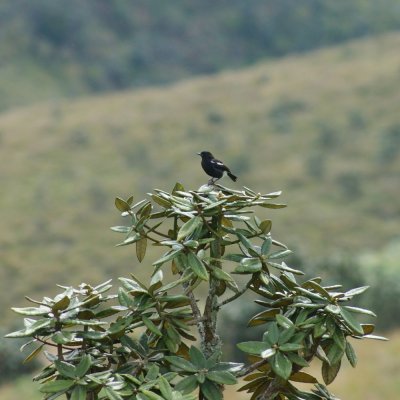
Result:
211,181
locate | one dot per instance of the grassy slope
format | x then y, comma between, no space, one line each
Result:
63,163
375,377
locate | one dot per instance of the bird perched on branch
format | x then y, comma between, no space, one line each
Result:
215,168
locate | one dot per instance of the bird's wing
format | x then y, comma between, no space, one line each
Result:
219,165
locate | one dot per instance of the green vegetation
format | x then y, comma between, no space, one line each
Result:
49,51
209,237
11,358
62,160
374,366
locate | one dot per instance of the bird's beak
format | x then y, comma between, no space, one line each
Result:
199,154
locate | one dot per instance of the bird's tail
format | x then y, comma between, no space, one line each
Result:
233,177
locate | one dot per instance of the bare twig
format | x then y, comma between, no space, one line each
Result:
235,296
251,368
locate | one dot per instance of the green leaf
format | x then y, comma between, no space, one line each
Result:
141,246
249,266
266,246
272,205
286,335
268,353
253,347
333,309
83,367
281,365
150,325
245,242
133,286
56,386
280,254
265,226
273,332
329,372
234,257
263,317
188,227
161,201
290,347
66,369
129,240
283,321
220,274
295,358
165,388
351,354
375,337
181,363
284,267
335,354
156,281
197,266
318,288
222,377
61,305
197,357
178,188
33,354
175,301
151,395
356,291
360,310
351,322
63,337
29,331
201,376
303,377
211,391
339,338
121,229
112,394
187,385
122,205
167,257
32,310
124,298
79,393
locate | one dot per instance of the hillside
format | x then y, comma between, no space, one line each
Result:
49,51
324,127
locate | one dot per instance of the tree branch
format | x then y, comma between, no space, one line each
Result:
235,296
251,368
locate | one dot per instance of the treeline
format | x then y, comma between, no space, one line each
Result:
113,44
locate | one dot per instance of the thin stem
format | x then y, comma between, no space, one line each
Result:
273,388
199,321
52,344
212,342
251,368
152,229
235,296
248,237
210,228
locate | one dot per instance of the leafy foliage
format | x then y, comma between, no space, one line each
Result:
101,353
12,360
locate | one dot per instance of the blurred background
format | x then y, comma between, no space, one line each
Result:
106,98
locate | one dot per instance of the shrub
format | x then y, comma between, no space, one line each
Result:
136,343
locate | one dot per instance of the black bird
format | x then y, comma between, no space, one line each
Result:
215,168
